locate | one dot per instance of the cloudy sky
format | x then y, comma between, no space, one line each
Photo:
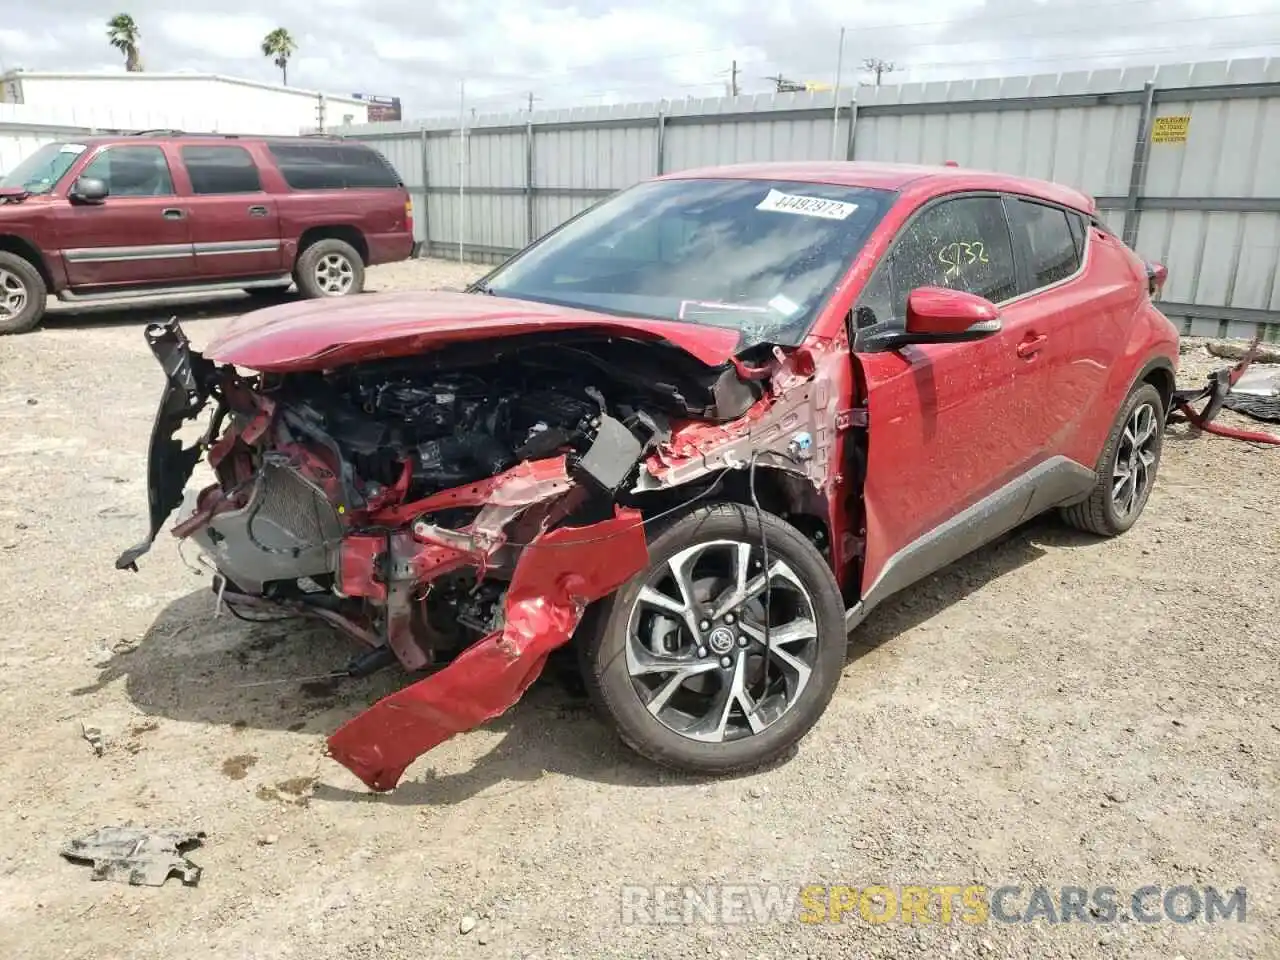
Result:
607,51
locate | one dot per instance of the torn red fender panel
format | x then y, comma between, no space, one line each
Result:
558,574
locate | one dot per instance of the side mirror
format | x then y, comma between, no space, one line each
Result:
89,190
939,315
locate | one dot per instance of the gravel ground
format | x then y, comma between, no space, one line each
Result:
1053,710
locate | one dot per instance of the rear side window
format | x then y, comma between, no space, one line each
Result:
329,166
963,244
216,170
1053,245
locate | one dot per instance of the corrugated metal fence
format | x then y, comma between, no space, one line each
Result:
1184,161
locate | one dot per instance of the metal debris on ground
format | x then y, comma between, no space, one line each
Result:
1234,350
1217,393
136,855
94,737
1256,394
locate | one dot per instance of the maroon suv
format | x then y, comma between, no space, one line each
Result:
163,212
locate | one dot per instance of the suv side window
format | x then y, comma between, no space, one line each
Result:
326,166
132,172
963,244
215,170
1053,245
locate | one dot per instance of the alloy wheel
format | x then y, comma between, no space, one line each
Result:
13,295
1133,473
334,274
717,649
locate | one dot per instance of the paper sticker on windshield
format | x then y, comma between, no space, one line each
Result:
72,148
784,305
779,202
692,309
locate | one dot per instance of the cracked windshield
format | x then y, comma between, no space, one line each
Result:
756,256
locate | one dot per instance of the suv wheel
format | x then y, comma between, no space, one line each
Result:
329,268
1127,468
681,662
23,294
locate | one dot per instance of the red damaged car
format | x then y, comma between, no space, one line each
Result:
700,430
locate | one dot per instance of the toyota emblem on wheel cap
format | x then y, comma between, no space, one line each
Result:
721,640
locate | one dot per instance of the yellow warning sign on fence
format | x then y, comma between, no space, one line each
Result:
1170,129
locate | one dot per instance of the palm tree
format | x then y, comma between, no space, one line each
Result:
123,34
280,47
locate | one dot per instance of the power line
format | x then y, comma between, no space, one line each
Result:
1037,58
859,30
621,86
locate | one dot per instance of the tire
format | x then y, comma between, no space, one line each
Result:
609,653
1105,512
332,259
23,294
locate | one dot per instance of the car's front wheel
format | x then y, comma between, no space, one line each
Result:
23,294
1126,469
726,650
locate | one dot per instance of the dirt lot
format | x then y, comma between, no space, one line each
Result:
1054,710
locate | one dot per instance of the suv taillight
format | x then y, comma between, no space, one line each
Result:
408,216
1157,274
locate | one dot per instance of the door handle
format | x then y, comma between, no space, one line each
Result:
257,211
1031,346
172,213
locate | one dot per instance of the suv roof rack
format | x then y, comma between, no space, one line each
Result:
158,133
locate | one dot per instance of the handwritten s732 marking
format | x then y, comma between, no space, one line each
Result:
960,254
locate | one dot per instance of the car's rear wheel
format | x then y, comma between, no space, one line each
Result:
23,294
329,268
1126,469
682,662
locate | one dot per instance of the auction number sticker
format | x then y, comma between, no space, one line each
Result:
779,202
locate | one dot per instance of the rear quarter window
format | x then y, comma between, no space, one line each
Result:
1055,247
328,166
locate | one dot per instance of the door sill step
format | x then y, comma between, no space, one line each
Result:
228,286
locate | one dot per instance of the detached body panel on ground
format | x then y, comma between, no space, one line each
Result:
700,432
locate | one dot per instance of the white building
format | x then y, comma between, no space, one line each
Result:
195,102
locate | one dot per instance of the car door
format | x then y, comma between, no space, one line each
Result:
138,235
944,429
235,224
1054,316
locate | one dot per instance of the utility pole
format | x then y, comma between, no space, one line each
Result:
877,66
462,166
835,97
733,79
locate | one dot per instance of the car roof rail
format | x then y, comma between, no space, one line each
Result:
158,133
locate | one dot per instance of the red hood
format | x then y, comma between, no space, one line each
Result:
322,334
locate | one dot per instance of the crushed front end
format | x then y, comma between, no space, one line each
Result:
454,511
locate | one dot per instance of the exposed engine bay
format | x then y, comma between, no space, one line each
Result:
458,507
458,425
